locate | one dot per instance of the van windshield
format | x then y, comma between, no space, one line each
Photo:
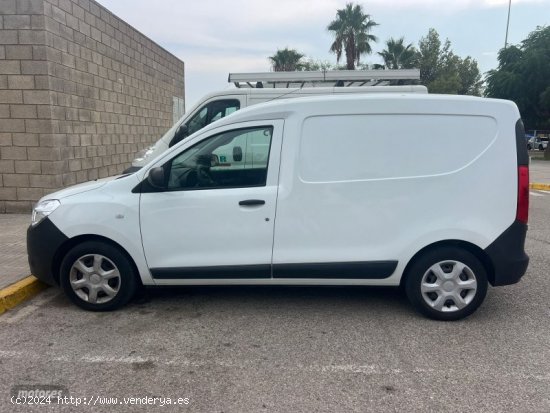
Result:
209,113
167,137
218,109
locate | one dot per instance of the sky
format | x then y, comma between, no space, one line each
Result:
216,37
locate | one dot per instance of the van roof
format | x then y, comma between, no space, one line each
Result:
283,108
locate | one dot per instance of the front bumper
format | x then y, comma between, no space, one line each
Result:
43,243
507,254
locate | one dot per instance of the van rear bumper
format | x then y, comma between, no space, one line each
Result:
507,255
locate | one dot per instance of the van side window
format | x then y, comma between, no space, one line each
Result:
212,112
198,121
233,159
205,116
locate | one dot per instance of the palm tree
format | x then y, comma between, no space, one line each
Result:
351,30
286,60
397,55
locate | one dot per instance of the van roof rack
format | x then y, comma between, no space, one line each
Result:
326,78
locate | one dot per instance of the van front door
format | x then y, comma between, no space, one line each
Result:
215,218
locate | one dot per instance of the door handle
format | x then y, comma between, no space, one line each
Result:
252,202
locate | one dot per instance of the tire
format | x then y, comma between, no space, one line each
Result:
101,270
541,148
446,283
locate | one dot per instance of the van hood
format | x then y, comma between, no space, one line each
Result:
78,189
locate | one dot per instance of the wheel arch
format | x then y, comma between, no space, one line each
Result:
479,253
72,242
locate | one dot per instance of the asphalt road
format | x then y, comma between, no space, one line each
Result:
292,349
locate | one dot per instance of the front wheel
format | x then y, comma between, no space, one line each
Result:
447,283
98,276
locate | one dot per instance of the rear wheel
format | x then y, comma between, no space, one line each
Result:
97,276
446,283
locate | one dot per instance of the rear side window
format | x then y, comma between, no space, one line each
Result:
366,147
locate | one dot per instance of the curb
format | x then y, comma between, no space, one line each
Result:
20,291
543,187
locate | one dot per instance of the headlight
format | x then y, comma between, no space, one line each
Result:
43,209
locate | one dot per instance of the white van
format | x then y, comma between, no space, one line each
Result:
537,143
215,106
306,192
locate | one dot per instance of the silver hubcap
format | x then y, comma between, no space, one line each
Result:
448,286
95,278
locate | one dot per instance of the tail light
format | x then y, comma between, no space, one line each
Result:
522,214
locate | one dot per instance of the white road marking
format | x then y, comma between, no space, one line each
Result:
10,354
371,369
122,360
535,194
349,368
15,317
17,314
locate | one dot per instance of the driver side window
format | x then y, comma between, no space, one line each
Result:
233,159
211,113
206,115
198,121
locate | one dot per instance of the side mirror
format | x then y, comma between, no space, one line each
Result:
157,177
237,154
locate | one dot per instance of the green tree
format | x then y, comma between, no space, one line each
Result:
351,30
523,75
397,55
312,65
444,72
470,77
286,60
429,56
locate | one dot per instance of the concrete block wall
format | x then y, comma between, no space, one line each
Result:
81,92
